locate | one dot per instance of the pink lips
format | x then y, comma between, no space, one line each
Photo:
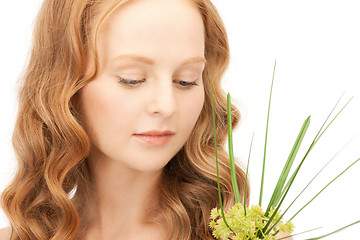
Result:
155,137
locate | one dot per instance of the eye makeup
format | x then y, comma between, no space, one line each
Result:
185,84
135,82
130,82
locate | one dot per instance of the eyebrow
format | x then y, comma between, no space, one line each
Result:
150,61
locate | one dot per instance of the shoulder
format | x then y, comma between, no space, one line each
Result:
5,233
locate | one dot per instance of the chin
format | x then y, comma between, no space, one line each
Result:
149,166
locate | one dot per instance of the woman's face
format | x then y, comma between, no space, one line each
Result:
151,55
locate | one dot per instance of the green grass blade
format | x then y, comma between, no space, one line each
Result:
336,231
320,132
303,190
296,234
334,117
291,180
277,194
216,156
266,134
317,137
231,153
352,164
247,171
281,217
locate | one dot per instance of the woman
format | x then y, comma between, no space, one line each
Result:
114,133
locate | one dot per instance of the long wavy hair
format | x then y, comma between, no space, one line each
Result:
47,197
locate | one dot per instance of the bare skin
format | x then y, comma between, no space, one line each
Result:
5,233
125,171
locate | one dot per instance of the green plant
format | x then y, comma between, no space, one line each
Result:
252,223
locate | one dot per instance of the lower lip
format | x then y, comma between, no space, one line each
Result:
155,140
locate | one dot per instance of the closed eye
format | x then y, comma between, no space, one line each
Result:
133,82
130,82
185,84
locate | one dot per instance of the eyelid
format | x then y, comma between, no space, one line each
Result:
133,82
187,85
130,82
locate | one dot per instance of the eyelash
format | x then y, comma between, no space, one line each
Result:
130,82
133,83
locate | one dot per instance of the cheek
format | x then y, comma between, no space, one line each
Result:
106,97
191,109
105,110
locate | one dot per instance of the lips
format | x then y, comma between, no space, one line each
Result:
156,133
155,137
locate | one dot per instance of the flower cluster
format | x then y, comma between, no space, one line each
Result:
247,223
243,223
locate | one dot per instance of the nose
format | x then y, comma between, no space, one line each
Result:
163,99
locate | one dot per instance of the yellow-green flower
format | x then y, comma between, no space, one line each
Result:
246,226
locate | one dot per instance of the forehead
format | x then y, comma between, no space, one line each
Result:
161,28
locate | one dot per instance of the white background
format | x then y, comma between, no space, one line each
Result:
316,44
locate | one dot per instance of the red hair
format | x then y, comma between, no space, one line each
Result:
51,145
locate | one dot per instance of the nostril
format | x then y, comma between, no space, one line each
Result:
164,103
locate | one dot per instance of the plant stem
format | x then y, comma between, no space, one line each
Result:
266,134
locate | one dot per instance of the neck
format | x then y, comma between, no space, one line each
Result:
122,198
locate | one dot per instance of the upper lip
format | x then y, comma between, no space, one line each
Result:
156,133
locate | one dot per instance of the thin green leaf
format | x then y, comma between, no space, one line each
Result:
296,234
335,116
317,137
325,188
216,156
336,231
231,153
313,179
321,131
246,175
302,131
285,172
266,134
319,134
